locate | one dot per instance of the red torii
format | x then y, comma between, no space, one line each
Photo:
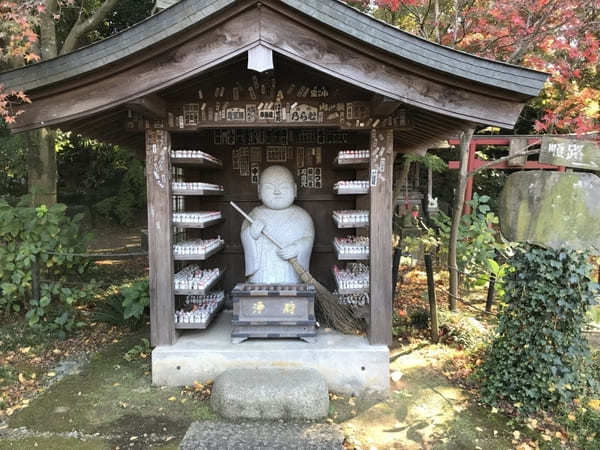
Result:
474,163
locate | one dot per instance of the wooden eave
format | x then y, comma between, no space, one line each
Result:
194,36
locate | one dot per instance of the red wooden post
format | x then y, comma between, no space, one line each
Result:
470,167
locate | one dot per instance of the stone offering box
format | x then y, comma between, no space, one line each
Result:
273,311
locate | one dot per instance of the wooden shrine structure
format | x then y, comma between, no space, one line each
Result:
329,78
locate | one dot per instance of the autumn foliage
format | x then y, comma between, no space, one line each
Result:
18,40
560,37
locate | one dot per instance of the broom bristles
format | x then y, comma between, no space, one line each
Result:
338,316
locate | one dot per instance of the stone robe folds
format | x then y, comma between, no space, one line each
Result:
289,226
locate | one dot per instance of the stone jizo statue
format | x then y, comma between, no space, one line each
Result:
289,224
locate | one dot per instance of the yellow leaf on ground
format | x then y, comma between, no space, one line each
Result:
517,434
21,378
25,349
51,374
116,384
494,410
172,399
571,416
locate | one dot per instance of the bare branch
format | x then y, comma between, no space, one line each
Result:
84,25
504,159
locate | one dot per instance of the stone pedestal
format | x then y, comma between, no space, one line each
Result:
271,311
347,362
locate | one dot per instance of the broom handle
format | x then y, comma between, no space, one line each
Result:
249,219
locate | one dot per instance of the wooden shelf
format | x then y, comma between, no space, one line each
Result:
201,325
350,257
208,223
196,192
352,191
203,257
351,163
348,291
347,225
203,291
199,163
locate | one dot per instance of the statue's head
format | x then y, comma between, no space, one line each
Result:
277,188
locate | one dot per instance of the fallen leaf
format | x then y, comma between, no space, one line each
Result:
571,416
24,349
396,376
51,374
517,434
172,399
22,379
494,410
116,384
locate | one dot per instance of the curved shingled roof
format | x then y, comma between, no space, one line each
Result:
331,13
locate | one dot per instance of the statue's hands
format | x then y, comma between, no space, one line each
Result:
291,251
256,228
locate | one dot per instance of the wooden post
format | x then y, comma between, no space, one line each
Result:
459,201
490,295
160,236
380,236
435,329
35,278
469,188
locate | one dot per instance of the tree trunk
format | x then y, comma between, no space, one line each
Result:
42,174
459,203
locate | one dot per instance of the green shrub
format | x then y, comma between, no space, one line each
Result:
136,299
129,307
419,318
28,233
539,358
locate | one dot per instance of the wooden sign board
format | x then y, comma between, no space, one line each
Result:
574,153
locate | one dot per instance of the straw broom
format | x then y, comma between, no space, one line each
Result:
338,316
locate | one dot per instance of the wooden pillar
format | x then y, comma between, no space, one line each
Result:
470,167
380,177
160,236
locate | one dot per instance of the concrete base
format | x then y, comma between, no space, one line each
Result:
348,363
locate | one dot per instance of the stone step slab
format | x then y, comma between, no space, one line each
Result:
262,436
270,394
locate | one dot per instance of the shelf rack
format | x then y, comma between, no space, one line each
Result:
201,325
350,163
199,225
199,161
198,257
204,290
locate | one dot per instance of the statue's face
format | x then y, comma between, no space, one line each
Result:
277,189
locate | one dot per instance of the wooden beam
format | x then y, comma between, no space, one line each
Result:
160,237
384,106
366,68
191,58
380,239
151,106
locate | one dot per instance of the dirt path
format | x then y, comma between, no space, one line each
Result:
427,411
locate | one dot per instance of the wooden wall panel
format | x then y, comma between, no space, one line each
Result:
318,202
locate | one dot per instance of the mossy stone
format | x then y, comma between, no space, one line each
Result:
552,209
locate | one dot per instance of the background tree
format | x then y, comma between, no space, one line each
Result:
44,29
561,37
